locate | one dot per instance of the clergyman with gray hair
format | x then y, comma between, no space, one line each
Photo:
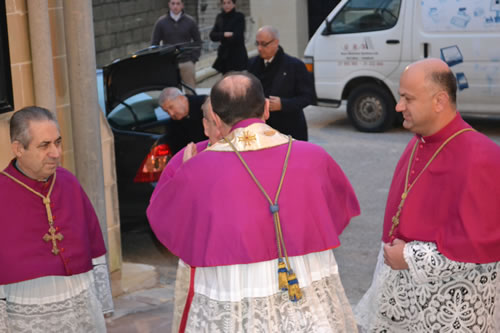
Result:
54,275
287,84
187,115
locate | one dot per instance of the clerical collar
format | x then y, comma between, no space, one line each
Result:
444,133
246,123
25,175
175,17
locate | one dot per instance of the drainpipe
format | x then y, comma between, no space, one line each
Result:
80,49
41,54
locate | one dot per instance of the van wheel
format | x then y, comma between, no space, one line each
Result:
371,108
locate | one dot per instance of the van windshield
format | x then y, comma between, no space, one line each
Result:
364,15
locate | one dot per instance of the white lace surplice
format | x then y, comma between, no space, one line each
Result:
245,298
434,295
58,303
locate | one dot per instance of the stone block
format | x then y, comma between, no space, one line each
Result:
125,37
61,80
114,251
127,8
56,17
105,42
136,21
138,35
114,25
118,52
55,4
10,7
103,58
19,32
100,28
22,85
106,11
5,150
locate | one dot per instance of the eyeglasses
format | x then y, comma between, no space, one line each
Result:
263,44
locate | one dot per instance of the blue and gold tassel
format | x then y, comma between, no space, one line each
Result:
282,275
294,292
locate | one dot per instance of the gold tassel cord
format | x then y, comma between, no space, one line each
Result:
294,292
287,280
282,275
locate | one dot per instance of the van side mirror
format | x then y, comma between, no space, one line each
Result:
328,30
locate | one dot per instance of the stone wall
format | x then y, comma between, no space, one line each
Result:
123,27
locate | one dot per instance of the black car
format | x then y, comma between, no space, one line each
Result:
128,93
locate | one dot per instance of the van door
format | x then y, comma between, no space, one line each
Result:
363,38
465,34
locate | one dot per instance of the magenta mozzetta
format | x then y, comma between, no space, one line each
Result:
23,249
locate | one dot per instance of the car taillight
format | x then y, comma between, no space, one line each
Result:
152,166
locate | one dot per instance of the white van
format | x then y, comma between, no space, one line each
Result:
360,51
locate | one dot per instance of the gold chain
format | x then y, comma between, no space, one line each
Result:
395,218
51,236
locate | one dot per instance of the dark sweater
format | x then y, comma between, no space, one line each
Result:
170,32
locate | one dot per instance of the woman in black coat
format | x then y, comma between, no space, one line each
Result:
229,30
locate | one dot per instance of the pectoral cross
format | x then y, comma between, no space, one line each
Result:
51,236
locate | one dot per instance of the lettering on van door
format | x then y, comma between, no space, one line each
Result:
459,15
360,53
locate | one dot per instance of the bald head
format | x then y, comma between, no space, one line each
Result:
235,86
427,91
237,96
435,74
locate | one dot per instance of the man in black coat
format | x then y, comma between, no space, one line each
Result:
187,116
287,84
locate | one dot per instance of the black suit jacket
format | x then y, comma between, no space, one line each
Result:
190,128
287,78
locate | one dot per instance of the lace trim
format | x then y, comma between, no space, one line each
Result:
103,288
3,316
323,308
435,295
78,314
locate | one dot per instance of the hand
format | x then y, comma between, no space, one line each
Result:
393,254
189,152
228,34
274,103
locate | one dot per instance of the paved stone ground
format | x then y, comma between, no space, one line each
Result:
147,310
